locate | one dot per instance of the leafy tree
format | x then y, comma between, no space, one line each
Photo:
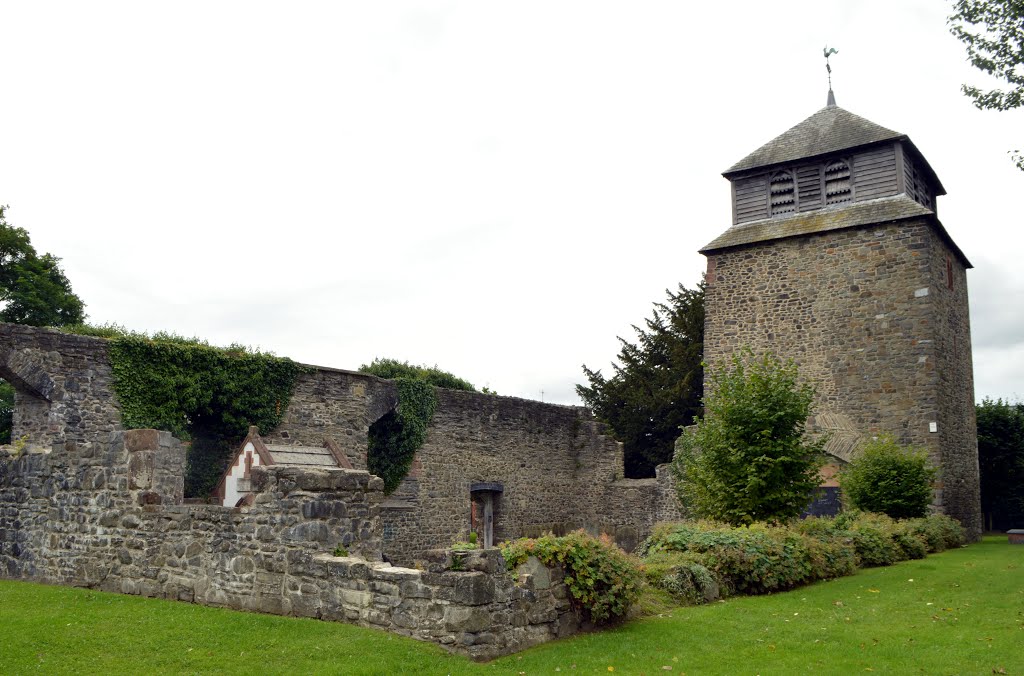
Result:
33,288
394,369
887,478
657,384
993,32
1001,462
749,459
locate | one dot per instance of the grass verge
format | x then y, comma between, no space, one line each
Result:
961,611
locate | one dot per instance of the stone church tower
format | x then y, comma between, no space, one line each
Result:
836,258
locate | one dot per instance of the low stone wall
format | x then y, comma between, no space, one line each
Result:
110,517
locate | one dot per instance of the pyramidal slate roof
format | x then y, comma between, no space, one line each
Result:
829,130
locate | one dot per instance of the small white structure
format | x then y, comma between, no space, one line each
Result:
235,486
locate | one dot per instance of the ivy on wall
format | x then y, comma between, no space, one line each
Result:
201,393
394,439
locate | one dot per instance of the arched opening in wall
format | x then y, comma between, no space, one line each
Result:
6,411
25,397
387,453
485,512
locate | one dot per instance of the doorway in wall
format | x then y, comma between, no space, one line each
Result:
485,511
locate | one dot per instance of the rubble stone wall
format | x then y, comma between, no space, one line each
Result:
557,466
112,519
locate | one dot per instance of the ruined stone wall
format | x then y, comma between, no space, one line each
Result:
559,471
62,386
336,403
111,519
858,311
555,463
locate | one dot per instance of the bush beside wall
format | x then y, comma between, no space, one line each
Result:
760,558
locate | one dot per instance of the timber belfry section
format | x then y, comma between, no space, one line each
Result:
89,503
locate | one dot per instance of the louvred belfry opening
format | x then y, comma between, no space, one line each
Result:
783,193
837,182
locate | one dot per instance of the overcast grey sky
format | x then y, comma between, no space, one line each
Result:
497,188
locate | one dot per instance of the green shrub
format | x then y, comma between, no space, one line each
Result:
887,478
683,576
872,537
912,544
748,459
750,559
603,581
939,531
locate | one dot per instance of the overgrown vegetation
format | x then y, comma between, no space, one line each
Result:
657,383
748,459
394,439
603,581
1001,463
394,369
888,478
205,394
6,411
762,558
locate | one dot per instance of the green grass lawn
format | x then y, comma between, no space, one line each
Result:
960,612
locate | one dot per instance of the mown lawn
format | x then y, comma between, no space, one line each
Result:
959,612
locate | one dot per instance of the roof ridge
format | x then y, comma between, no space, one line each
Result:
830,129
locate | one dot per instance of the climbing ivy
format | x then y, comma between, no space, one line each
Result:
394,439
197,392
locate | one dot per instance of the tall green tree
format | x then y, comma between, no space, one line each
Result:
33,288
1001,463
657,383
993,33
749,459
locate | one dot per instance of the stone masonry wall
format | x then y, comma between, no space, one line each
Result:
957,428
62,386
111,519
558,468
858,310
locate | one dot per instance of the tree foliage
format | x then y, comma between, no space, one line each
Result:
657,384
993,33
392,369
1001,462
887,478
33,288
749,458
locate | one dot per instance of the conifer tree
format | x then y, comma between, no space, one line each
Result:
657,383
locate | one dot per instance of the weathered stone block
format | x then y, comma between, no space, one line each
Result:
141,440
466,619
473,589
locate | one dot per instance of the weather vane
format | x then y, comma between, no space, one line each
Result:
829,51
